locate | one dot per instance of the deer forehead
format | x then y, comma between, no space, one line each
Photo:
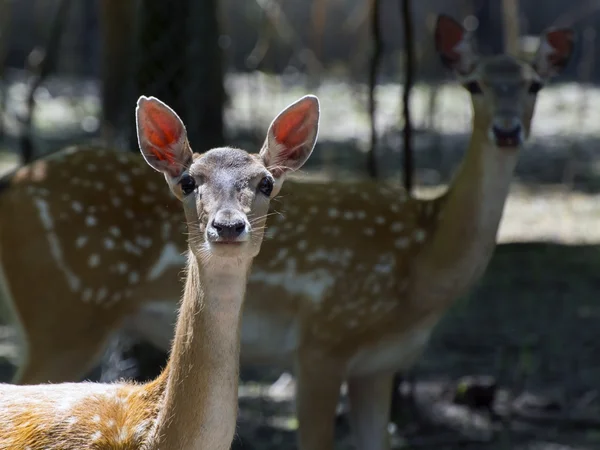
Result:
504,70
227,164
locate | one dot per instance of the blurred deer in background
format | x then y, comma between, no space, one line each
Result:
193,404
348,288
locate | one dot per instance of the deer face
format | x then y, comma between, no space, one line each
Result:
226,192
503,89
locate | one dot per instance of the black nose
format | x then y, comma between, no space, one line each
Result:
507,138
229,229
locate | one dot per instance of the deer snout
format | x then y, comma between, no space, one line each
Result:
506,131
228,226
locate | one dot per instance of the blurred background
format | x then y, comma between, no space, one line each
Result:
525,337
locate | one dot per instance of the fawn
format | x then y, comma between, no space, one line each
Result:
225,194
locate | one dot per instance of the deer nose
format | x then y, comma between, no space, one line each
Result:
228,225
507,132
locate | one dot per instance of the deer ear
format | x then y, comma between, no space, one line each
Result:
454,45
162,137
292,136
554,52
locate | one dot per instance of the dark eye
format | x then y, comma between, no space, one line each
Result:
473,87
188,184
535,87
266,186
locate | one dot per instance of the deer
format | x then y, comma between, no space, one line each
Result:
351,279
225,193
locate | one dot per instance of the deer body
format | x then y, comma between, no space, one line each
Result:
193,403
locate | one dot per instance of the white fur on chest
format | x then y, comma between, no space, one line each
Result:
398,352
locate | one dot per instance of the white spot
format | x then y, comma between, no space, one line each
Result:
143,241
281,254
134,277
170,256
77,207
130,248
101,294
380,220
81,241
54,243
313,285
96,436
123,178
94,260
115,231
87,295
109,244
72,420
348,215
301,228
420,235
302,245
122,434
122,268
90,221
111,423
401,243
397,227
333,212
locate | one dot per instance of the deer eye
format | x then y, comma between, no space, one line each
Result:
266,186
473,87
535,87
188,184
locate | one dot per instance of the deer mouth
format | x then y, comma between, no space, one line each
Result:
507,138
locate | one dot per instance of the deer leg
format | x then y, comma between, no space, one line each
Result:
369,398
317,394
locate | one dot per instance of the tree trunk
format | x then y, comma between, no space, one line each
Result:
175,57
180,63
117,19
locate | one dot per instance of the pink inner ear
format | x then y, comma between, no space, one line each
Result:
160,130
562,42
291,129
449,34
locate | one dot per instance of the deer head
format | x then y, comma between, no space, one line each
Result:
226,192
503,89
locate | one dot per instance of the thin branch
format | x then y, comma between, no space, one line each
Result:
377,51
408,83
41,62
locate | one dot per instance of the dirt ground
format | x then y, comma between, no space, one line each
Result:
528,331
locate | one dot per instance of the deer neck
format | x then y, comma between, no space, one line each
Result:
200,404
469,214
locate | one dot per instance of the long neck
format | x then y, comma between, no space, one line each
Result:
200,405
469,215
